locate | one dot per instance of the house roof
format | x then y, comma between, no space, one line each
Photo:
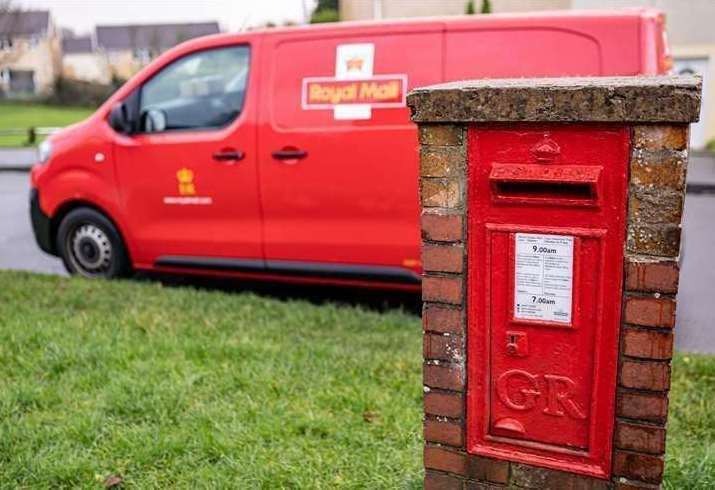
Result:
72,45
24,23
151,36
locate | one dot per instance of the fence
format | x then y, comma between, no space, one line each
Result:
32,133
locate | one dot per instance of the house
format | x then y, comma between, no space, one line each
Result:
384,9
30,53
689,26
692,42
129,47
82,61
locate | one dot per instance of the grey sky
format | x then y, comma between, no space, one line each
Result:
82,15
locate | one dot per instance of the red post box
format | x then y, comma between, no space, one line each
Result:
551,215
546,226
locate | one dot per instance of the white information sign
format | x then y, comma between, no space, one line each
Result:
543,277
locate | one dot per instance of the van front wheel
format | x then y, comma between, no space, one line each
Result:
91,246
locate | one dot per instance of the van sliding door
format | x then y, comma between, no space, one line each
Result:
337,151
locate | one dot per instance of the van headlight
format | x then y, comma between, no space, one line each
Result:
44,151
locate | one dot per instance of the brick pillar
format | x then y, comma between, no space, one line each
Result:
656,112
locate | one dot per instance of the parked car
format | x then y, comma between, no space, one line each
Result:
288,154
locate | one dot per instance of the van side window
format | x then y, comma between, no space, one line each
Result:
202,90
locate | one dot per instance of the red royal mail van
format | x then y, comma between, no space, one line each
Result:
288,154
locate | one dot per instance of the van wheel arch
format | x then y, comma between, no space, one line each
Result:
69,206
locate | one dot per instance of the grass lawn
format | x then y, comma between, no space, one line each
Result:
25,115
176,387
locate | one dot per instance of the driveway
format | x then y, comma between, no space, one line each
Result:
695,331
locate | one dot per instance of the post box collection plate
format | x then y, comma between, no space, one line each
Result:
546,223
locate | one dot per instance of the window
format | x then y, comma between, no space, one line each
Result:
5,44
143,56
202,90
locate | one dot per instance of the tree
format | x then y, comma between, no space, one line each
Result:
470,9
325,11
327,4
486,6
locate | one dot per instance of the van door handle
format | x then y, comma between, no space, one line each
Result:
289,154
228,156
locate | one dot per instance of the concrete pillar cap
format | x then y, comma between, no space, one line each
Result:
651,99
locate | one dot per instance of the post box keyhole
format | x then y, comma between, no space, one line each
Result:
516,344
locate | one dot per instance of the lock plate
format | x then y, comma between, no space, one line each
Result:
516,344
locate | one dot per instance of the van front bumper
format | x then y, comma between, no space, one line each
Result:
41,224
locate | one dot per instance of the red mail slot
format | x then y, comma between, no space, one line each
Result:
546,226
574,184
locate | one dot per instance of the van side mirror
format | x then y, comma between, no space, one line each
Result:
119,119
152,121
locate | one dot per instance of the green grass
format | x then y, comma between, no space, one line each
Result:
690,458
25,115
177,387
184,388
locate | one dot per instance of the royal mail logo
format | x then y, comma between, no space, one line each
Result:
355,90
187,191
185,178
378,91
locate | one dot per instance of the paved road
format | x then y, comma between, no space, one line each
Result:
18,249
696,309
17,158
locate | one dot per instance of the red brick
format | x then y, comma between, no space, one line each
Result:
654,239
651,407
479,485
645,375
533,477
648,344
650,312
438,458
438,161
444,432
652,276
440,134
492,470
661,137
435,346
442,289
441,227
444,404
441,192
633,485
442,258
638,437
442,481
661,169
443,376
443,319
636,466
443,347
653,206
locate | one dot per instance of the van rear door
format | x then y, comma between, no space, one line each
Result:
337,150
559,44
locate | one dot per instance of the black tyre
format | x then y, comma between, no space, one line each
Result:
91,246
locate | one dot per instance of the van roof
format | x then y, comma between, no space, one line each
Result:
631,12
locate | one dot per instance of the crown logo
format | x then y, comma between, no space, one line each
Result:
354,63
185,177
545,151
